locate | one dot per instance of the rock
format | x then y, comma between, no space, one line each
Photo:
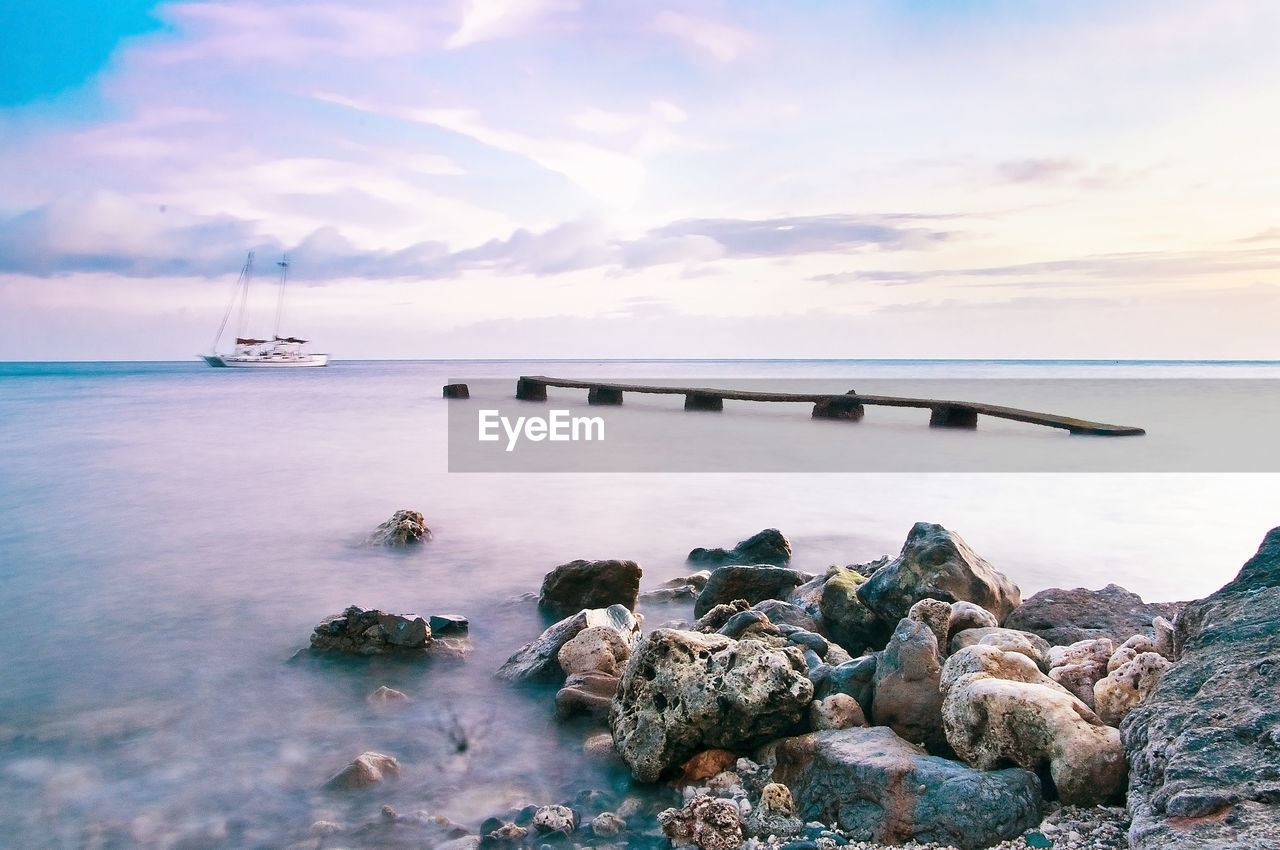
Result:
403,529
717,617
1117,693
372,632
607,825
1162,631
1121,657
906,696
855,678
705,765
809,640
538,661
776,814
444,624
784,613
935,614
1092,651
1063,617
506,833
385,697
1080,679
1031,645
751,583
838,711
550,820
705,822
765,547
599,748
1140,644
998,708
571,587
1205,744
966,615
849,621
877,787
936,564
598,649
685,691
367,769
586,693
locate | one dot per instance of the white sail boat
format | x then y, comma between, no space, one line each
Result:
249,352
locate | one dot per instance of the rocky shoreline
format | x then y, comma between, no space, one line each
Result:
913,701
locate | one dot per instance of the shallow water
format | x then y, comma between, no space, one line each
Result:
171,533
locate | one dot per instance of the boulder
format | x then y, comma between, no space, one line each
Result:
373,632
539,662
705,765
765,547
855,678
879,788
936,564
682,692
1117,693
849,621
751,583
367,769
706,822
749,624
1063,617
597,649
775,814
607,825
998,708
838,711
966,615
1031,645
786,614
906,696
1080,679
550,820
403,529
1205,744
571,587
586,693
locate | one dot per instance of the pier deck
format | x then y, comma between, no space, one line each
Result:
943,413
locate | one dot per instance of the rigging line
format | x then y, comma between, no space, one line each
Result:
235,290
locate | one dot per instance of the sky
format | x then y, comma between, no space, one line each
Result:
571,178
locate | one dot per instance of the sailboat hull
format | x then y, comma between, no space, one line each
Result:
271,362
212,360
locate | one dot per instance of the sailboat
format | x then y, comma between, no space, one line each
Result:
250,352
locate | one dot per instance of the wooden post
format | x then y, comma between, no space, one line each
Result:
703,401
604,395
839,407
953,416
456,391
527,390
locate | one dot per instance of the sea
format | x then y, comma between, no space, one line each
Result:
170,534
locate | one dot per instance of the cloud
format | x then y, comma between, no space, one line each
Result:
722,42
1147,268
84,235
1036,170
485,20
604,173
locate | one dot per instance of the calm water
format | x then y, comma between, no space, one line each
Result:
171,533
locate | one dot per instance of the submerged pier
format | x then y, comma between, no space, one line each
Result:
850,406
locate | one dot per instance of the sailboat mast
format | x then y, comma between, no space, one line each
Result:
283,263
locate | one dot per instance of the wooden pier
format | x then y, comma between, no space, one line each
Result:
849,406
